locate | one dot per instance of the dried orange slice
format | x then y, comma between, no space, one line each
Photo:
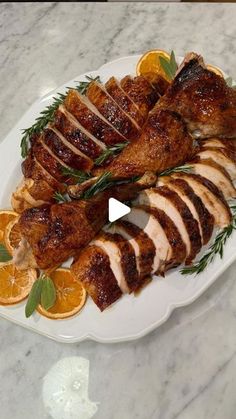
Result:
5,217
15,285
12,235
215,70
150,63
70,296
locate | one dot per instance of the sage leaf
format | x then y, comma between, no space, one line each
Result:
173,63
34,297
4,254
166,67
48,294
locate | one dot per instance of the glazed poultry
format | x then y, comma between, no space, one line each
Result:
82,129
174,220
53,233
203,98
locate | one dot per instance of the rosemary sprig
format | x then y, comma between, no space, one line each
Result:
104,182
110,151
169,66
60,198
183,169
217,248
78,175
83,85
43,291
47,114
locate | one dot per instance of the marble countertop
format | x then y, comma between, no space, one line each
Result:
187,368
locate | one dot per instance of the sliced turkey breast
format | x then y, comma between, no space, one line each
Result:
170,249
196,206
222,156
32,169
210,195
122,260
93,270
140,90
124,101
217,175
76,134
143,246
219,143
107,106
65,151
48,160
91,119
177,249
169,201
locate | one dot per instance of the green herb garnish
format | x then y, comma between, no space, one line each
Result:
47,114
217,248
78,175
61,197
4,254
177,169
43,291
110,151
169,66
104,182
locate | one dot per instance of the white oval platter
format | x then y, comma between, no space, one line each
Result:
131,317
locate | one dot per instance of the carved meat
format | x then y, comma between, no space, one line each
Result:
203,99
169,202
95,274
164,142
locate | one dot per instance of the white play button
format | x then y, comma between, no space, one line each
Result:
116,210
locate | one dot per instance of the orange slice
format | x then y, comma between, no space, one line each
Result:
5,217
215,70
12,235
70,296
15,285
150,63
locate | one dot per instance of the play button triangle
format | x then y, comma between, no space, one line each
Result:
116,209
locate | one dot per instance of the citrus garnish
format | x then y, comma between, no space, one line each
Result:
150,63
15,285
5,217
215,70
70,296
12,235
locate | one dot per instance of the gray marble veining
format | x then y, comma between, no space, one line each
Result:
187,368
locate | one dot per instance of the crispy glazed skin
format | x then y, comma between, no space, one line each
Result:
146,247
173,236
75,136
190,223
33,170
64,153
164,142
141,92
95,125
127,259
158,82
46,160
93,270
124,101
111,111
203,99
59,231
205,218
